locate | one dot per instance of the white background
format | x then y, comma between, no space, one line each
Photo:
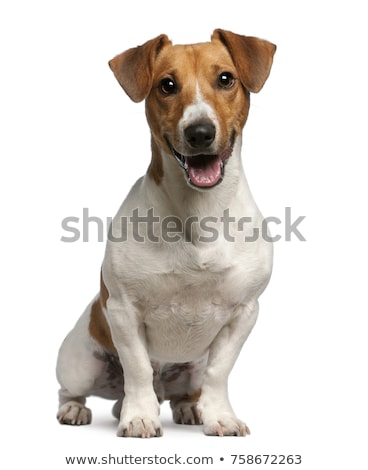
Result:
70,138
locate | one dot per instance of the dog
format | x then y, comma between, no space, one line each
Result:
183,269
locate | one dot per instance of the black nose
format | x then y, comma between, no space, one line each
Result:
200,135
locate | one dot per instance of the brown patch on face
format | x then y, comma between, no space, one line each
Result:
190,67
231,105
98,326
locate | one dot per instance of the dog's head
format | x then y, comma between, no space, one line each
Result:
197,97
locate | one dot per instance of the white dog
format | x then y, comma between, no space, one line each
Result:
183,268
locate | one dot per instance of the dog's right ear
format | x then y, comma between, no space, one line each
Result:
133,68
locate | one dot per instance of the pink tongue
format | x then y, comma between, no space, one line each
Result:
205,175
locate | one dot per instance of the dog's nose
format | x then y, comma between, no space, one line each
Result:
200,135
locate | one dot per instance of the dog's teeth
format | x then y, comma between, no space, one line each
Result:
181,160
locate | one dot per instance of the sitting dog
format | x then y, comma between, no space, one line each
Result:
183,269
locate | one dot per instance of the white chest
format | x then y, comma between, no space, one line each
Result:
190,295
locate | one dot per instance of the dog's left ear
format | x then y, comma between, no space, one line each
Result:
252,57
133,68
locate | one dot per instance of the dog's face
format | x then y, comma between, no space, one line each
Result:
197,98
191,106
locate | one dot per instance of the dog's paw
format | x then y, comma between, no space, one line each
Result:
74,413
140,427
186,412
226,426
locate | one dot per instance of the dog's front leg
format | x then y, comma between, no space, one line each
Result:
140,408
216,411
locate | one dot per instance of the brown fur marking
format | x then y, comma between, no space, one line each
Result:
194,397
155,170
98,326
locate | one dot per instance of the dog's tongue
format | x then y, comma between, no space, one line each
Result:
204,170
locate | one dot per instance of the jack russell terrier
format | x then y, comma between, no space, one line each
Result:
179,292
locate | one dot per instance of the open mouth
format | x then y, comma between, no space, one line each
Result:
204,171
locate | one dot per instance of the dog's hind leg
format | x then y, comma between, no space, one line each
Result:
73,410
185,409
182,384
80,366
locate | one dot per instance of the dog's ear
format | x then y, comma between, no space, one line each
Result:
133,68
252,57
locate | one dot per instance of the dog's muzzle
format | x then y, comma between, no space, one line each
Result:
204,170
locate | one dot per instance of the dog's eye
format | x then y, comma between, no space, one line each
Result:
226,80
167,86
